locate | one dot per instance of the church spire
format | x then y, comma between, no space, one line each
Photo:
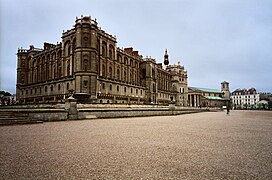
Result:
166,60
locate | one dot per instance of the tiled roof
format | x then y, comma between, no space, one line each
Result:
213,98
205,90
245,91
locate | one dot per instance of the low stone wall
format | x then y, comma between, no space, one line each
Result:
48,115
99,111
115,113
36,114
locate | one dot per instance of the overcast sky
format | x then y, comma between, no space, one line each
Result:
215,40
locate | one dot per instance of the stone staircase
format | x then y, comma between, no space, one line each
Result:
15,117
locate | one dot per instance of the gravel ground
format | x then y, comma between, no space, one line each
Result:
207,145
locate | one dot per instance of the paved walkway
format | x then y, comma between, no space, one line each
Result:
208,145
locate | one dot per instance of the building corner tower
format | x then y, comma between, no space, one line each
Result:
225,90
85,61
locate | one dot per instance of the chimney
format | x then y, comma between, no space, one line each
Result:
128,50
135,53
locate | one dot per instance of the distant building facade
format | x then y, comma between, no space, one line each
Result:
89,65
205,97
266,96
245,98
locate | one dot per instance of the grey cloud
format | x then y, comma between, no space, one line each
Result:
215,40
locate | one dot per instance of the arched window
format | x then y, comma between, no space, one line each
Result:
34,71
134,79
67,49
125,76
22,78
119,58
68,69
110,72
118,74
47,71
153,73
97,43
59,71
103,70
54,72
59,54
104,49
38,73
85,41
111,52
85,65
74,45
126,61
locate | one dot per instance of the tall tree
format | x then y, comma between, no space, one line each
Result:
5,93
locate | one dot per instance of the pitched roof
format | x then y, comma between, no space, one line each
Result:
225,82
213,98
205,89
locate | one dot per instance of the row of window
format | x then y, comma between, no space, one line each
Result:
241,97
212,94
118,88
119,101
46,89
242,93
246,101
111,54
162,95
126,89
133,75
46,73
106,50
49,57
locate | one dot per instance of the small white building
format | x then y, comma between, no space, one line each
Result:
245,98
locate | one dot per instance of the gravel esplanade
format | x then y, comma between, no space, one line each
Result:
209,145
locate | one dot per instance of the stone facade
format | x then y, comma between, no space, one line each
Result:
245,98
89,65
205,97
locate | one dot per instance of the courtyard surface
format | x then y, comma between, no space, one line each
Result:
210,145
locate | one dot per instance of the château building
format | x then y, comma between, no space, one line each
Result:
245,98
206,97
88,65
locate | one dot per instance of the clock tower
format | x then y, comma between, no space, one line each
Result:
166,58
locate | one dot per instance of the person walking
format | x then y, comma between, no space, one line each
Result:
228,110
